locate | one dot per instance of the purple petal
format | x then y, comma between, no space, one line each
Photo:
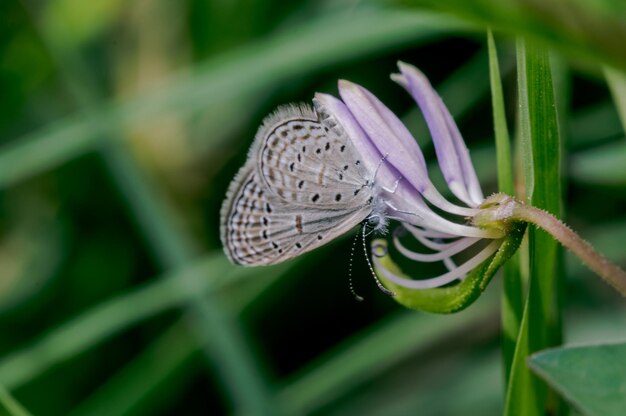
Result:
452,154
394,141
469,173
387,133
340,113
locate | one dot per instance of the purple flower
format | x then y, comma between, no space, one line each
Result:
409,196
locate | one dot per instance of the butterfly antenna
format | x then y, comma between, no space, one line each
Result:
380,162
369,264
350,280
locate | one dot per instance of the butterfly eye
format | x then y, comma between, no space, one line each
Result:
373,221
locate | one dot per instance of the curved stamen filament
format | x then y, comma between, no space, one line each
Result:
458,273
424,237
449,263
426,233
435,198
454,248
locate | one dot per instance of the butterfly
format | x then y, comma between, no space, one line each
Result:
303,185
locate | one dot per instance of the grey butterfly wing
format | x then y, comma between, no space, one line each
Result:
258,228
303,185
310,162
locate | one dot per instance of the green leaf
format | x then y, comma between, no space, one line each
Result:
453,298
512,299
501,131
540,143
75,22
590,30
617,83
592,378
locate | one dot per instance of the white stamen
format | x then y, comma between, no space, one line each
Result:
427,233
445,278
454,248
435,198
450,265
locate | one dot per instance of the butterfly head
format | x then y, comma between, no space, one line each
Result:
378,221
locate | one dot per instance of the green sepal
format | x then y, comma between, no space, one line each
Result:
452,298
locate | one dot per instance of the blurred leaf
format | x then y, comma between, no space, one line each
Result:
592,378
75,22
31,252
367,355
244,71
9,406
617,83
593,124
541,322
590,30
117,314
217,331
131,388
24,67
156,217
137,385
603,165
608,239
424,385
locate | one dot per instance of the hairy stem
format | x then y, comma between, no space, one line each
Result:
610,272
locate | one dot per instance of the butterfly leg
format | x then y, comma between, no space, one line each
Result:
380,162
390,205
393,189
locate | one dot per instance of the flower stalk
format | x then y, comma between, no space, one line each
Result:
501,211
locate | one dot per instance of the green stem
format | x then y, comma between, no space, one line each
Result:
610,272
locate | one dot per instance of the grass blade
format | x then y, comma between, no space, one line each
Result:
540,326
512,299
617,84
501,131
9,406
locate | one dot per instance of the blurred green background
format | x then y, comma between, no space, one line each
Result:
121,125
